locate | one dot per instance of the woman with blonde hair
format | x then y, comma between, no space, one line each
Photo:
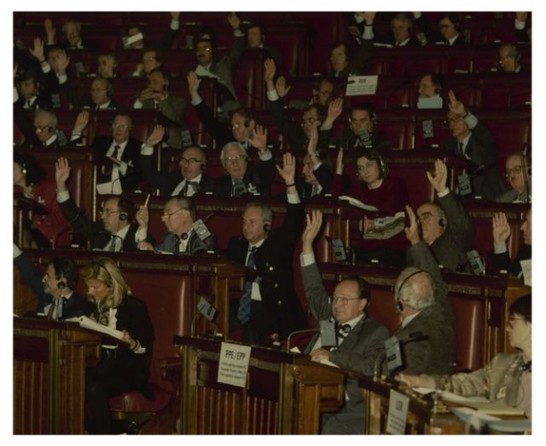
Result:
124,364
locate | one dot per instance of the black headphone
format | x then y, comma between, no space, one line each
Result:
383,168
400,302
267,227
123,216
442,221
61,285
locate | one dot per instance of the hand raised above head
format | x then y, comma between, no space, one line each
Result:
439,179
501,228
312,228
412,230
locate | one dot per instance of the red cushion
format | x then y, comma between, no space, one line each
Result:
132,402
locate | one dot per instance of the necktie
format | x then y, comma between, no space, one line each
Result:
55,309
343,331
243,314
28,103
114,245
239,188
118,151
190,188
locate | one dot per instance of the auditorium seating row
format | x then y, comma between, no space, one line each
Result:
304,39
411,168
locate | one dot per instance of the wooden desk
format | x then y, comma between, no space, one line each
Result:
49,361
284,394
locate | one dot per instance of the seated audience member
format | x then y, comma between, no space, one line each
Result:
157,96
183,237
46,133
471,140
117,157
446,226
362,131
242,121
47,227
322,93
430,91
222,70
359,338
55,289
72,32
107,65
124,365
500,257
449,27
187,181
27,94
389,195
342,63
152,59
269,308
518,174
401,27
316,171
313,116
507,377
510,58
241,178
100,96
115,230
255,38
421,300
521,27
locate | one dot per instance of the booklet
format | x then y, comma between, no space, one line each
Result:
90,324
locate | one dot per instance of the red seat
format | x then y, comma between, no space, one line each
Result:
132,402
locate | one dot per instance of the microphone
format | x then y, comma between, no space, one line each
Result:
213,214
297,332
481,168
476,262
339,249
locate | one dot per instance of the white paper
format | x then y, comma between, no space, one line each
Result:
355,202
398,413
361,85
233,364
90,324
109,188
526,270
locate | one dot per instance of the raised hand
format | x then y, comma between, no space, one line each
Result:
50,30
81,122
335,108
234,21
501,228
175,16
142,216
193,83
269,71
288,169
37,50
312,228
412,230
439,180
455,105
258,138
156,136
62,173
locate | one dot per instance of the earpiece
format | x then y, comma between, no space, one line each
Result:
61,285
267,227
247,123
184,236
51,129
442,222
384,170
399,306
123,216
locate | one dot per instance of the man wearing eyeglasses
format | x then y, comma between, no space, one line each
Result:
359,338
518,174
188,180
184,235
114,232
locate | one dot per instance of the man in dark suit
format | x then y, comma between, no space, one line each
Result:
472,141
187,181
28,94
243,178
445,225
185,234
222,70
115,232
56,287
269,308
118,157
172,108
359,339
427,328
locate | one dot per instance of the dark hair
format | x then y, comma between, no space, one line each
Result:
33,171
346,46
256,25
320,109
363,286
373,155
436,79
29,75
65,269
522,306
247,114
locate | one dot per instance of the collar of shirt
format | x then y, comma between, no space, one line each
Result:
30,101
408,319
403,43
453,39
122,233
51,140
354,321
105,105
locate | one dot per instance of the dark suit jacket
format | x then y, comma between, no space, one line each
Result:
274,265
498,262
167,181
94,230
169,243
131,155
486,181
451,247
42,101
360,62
259,178
173,108
73,307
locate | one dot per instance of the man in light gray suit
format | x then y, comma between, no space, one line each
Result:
359,338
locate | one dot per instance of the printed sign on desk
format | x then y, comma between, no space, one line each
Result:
398,413
361,85
233,364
